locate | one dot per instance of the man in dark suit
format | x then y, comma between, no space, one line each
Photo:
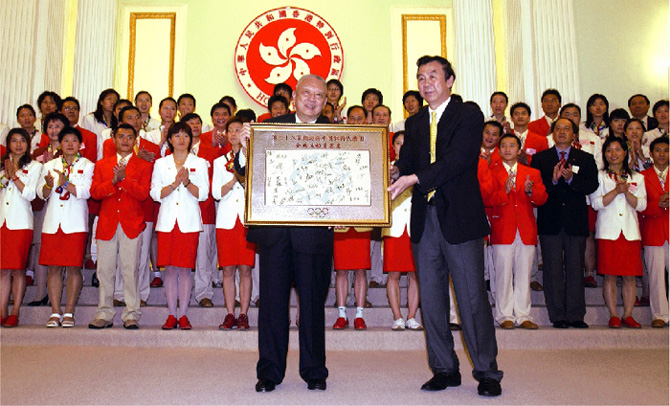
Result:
293,254
439,159
638,104
569,174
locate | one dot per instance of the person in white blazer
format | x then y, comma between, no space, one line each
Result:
234,251
620,195
178,183
398,256
65,184
18,178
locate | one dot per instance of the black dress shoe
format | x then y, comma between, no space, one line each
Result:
42,302
319,384
265,385
489,387
94,280
441,381
579,324
561,324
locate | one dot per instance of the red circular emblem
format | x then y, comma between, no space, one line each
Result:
282,45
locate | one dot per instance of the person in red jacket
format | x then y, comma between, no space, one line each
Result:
531,143
551,104
655,230
493,130
514,235
149,152
122,182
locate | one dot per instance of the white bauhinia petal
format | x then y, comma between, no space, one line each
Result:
279,74
301,68
305,50
286,40
270,55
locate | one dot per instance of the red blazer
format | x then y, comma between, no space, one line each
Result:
517,212
535,142
654,225
263,117
3,150
148,205
539,126
495,157
89,144
121,203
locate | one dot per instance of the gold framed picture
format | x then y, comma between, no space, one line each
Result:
317,175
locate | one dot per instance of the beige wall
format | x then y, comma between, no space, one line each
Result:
623,49
364,28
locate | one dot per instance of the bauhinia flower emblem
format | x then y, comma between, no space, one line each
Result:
288,57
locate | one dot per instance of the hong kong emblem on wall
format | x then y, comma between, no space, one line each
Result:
282,45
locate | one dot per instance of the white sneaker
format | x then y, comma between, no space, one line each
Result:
412,324
398,325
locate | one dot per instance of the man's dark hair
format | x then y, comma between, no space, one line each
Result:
127,127
382,106
575,127
570,106
630,99
446,65
186,96
219,106
191,116
519,105
509,135
247,113
495,124
352,108
282,86
659,140
550,92
374,91
277,98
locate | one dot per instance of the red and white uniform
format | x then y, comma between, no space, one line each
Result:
65,226
16,216
232,246
513,238
655,222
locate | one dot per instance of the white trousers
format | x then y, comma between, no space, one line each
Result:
205,263
513,264
656,260
144,268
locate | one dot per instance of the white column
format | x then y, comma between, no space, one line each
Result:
515,52
94,51
555,50
475,64
18,22
53,52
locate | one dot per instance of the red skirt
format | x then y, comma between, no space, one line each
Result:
63,249
177,249
398,256
352,250
620,257
233,248
14,247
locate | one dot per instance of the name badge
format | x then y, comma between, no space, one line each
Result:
530,151
575,169
632,187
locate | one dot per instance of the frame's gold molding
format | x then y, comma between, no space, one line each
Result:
442,19
131,57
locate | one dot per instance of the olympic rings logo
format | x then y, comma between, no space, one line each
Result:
318,212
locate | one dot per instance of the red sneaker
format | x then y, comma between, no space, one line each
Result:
615,322
29,280
590,282
89,264
11,321
341,323
630,322
359,324
184,324
170,323
243,322
228,323
157,282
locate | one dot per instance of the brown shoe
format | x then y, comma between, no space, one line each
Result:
143,303
658,323
536,286
131,324
367,304
529,325
507,325
374,285
205,302
118,303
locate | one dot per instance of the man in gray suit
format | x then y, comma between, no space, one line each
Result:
439,159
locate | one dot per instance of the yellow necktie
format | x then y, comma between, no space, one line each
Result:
136,148
433,140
